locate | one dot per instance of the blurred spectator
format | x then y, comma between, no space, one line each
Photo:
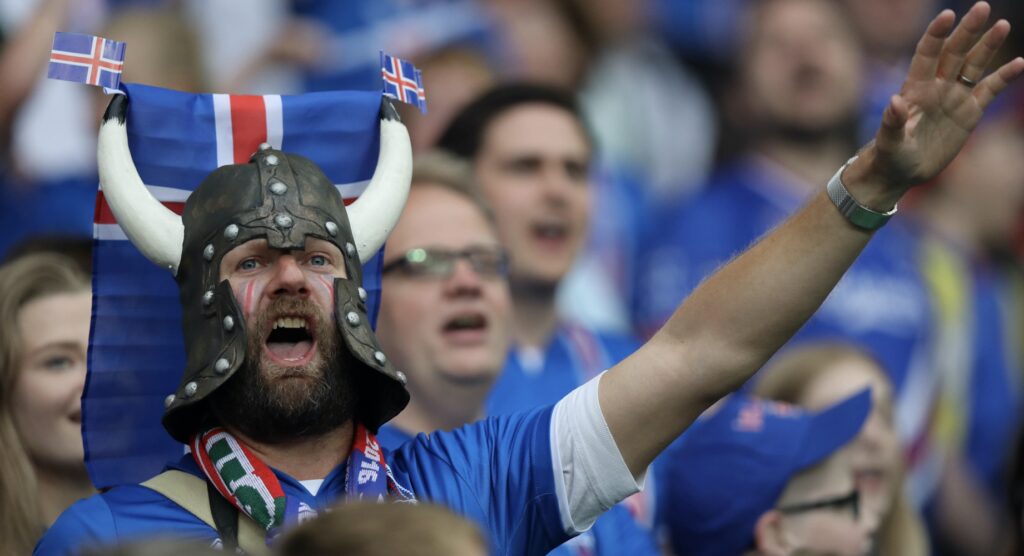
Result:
655,131
796,98
701,30
261,49
530,153
816,376
967,219
53,130
356,31
446,310
50,197
540,42
650,115
445,321
39,189
888,30
368,529
23,53
163,50
766,478
45,304
452,77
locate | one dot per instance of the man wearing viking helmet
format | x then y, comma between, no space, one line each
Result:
284,384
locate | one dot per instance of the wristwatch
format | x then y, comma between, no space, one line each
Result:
858,214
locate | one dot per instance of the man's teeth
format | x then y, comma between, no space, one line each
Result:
550,230
466,321
289,322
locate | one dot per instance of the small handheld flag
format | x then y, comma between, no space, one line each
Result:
86,59
402,81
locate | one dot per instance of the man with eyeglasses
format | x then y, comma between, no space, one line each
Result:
445,320
767,478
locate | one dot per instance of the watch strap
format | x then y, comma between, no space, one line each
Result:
858,214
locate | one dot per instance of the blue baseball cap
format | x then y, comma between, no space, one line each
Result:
732,466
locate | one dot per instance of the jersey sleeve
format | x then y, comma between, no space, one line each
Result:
499,472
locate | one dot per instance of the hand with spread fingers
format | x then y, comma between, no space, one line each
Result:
944,96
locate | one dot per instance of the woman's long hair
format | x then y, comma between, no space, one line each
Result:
23,280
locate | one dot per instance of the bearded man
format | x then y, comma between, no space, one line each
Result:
269,241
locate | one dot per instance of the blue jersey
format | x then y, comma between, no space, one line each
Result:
613,534
497,472
995,411
574,355
881,303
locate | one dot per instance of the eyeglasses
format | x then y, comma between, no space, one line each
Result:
488,262
851,500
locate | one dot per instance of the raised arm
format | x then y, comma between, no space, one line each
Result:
729,326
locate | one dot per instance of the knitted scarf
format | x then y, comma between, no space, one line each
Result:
251,486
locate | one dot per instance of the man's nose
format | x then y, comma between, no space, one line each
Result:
465,280
557,183
288,278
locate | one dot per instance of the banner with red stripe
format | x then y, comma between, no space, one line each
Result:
136,349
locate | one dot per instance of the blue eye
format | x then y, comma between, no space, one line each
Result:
248,264
57,363
318,260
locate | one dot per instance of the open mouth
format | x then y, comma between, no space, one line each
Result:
291,340
465,327
550,232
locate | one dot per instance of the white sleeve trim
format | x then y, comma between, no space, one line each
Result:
590,474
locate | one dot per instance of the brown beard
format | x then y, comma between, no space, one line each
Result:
274,404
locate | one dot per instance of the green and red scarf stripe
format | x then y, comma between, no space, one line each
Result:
250,485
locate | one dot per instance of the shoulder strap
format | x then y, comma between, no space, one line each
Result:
225,518
191,493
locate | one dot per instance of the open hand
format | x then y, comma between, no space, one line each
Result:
942,100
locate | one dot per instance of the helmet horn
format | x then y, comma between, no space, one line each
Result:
376,212
154,229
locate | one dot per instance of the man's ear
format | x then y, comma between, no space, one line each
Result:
769,537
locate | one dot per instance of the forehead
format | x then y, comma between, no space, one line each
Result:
435,216
536,128
60,317
783,17
260,245
844,378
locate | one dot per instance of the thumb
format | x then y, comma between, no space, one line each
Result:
890,134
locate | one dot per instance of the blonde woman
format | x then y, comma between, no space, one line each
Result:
45,306
818,375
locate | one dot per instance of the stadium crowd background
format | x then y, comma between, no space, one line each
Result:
670,96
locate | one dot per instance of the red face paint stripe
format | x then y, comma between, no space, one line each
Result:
329,287
248,298
248,125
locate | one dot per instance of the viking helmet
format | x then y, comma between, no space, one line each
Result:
284,199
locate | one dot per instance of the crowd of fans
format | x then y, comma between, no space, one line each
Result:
583,166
